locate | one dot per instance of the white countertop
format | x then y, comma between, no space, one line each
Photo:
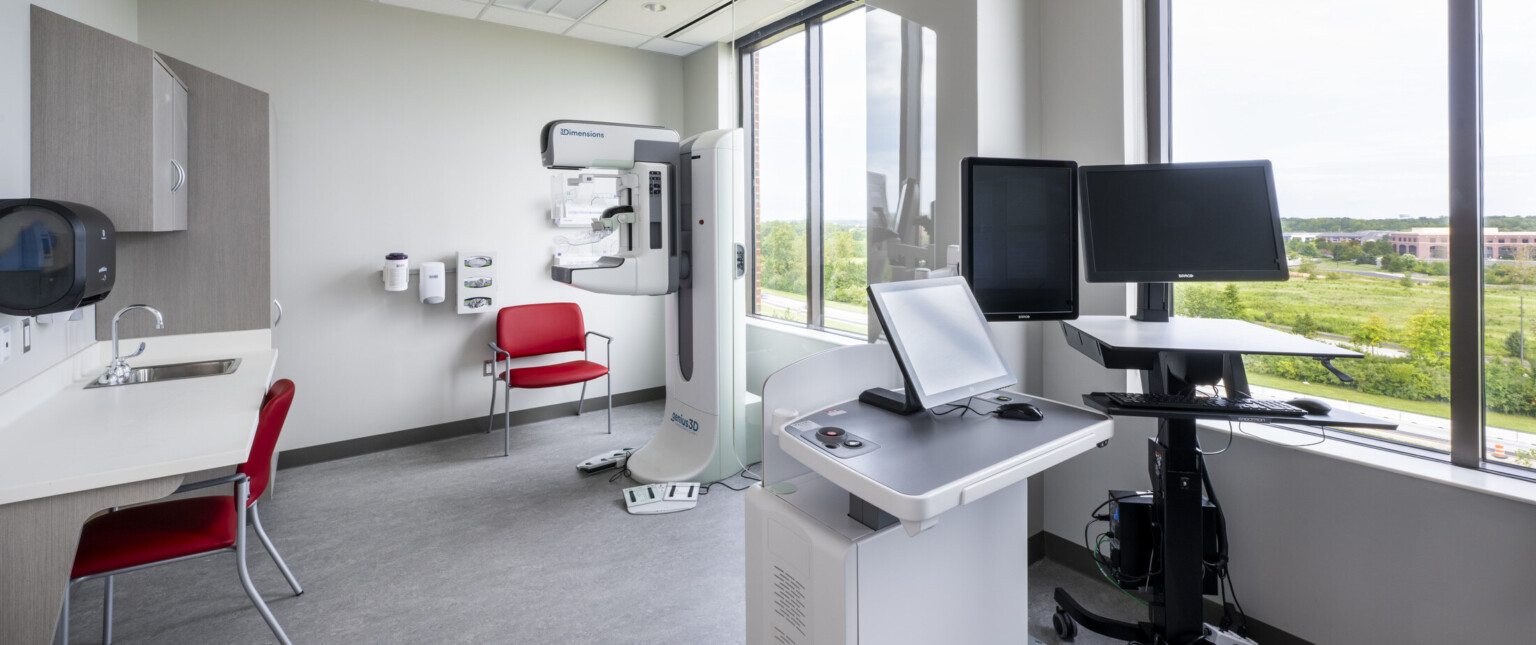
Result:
79,439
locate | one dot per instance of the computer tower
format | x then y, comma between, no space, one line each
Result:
1136,531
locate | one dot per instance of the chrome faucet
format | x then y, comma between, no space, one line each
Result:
118,371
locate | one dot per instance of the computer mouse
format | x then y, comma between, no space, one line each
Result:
1019,412
1312,406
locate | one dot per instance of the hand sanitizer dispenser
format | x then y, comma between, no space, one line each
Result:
433,282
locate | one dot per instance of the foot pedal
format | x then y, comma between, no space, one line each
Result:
655,499
606,461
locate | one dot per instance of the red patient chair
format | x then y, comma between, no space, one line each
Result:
144,536
536,330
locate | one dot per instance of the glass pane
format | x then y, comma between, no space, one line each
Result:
779,179
844,191
1354,119
1509,210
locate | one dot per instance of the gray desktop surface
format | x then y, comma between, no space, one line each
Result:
1199,335
924,451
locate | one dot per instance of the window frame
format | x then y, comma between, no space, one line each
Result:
1465,155
808,21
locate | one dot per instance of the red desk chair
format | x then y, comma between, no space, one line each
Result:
536,330
140,537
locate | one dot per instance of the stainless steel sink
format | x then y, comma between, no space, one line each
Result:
153,373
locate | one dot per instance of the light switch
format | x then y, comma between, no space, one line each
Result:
26,335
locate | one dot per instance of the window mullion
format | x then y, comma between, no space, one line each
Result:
814,304
1466,239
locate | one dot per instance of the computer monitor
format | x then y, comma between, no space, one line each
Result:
1182,222
1018,220
941,342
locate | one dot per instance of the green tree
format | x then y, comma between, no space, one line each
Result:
783,249
1199,301
845,267
1514,343
1428,336
1231,302
1305,325
1372,333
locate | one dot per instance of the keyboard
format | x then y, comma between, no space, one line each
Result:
1215,404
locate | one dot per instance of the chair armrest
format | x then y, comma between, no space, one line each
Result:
227,479
602,336
498,352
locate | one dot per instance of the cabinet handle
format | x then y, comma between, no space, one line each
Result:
181,176
279,313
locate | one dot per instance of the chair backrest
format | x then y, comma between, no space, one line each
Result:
546,328
274,411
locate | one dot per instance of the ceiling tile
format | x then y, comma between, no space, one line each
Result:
631,15
606,35
669,47
526,20
569,9
459,8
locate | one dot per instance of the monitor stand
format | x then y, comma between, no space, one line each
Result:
904,402
1154,301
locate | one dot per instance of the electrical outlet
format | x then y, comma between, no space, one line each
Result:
488,368
5,344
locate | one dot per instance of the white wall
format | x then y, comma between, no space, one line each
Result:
1330,551
50,343
411,131
709,75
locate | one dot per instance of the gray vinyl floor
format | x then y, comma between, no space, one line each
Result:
449,542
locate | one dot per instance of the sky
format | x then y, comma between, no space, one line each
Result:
861,93
1349,100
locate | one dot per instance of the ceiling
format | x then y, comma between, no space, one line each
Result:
682,28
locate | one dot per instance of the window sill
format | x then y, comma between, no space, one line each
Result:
798,329
1483,481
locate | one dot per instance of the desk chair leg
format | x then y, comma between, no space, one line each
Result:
271,550
245,573
506,406
608,381
106,612
583,400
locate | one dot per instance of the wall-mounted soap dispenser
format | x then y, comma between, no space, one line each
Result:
433,282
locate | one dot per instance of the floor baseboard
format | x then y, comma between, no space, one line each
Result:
409,437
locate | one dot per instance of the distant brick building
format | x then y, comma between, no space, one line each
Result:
1432,243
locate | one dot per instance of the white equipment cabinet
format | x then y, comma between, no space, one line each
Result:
952,568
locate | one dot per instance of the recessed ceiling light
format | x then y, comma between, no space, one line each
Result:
654,7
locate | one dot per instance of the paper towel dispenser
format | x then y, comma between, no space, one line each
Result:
54,256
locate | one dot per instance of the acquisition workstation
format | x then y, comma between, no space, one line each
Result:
1156,224
894,495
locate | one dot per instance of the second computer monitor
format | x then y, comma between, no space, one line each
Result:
1018,221
1183,222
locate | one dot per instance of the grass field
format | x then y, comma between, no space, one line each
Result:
1343,302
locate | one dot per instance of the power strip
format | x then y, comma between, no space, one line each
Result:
1216,636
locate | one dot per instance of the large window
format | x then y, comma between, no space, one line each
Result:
841,112
1351,102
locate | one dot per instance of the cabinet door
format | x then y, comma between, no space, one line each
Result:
179,156
163,164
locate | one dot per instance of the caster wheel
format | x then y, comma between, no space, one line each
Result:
1065,629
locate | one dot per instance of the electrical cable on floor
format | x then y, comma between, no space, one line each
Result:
744,473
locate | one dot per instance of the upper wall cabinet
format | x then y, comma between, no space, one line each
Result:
109,126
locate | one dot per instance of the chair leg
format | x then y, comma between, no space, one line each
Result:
608,382
106,612
272,551
583,400
490,417
506,406
245,572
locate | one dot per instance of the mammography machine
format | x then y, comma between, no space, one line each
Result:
873,525
678,238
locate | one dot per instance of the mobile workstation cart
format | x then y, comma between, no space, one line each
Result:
1175,357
